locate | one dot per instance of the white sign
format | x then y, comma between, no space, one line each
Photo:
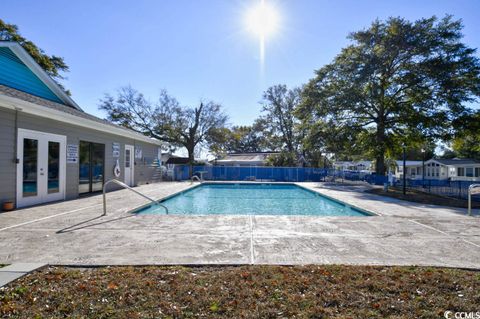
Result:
138,152
116,150
475,190
72,153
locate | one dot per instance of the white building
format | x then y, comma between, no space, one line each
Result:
353,165
456,169
244,159
413,168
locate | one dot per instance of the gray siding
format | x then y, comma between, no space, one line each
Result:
7,155
144,170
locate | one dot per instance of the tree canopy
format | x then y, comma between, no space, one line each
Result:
166,120
279,104
397,79
466,142
238,139
52,64
281,126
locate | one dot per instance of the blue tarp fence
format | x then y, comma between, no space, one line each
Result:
270,173
457,189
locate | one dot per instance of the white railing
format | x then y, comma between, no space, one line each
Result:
472,189
116,181
195,177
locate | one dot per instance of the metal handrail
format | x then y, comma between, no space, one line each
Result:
195,177
470,188
116,181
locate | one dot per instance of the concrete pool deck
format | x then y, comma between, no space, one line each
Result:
75,233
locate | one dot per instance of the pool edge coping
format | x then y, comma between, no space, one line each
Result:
367,213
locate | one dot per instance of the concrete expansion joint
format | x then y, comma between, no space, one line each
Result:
252,253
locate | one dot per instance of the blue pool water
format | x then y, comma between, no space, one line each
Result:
252,199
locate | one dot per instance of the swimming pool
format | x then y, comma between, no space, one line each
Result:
252,199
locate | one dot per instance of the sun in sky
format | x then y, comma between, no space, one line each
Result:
263,21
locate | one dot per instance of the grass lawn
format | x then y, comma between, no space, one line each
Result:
242,292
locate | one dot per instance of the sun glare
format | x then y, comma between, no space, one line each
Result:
262,20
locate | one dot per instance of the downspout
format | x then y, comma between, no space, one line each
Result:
15,159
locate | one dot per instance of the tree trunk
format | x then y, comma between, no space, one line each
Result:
380,150
191,158
380,164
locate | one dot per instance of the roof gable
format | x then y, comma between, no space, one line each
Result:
246,157
18,70
408,163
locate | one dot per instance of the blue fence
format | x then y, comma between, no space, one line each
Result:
274,174
449,188
457,189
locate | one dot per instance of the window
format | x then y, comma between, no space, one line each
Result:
127,158
477,171
53,167
412,171
469,171
30,161
460,171
418,171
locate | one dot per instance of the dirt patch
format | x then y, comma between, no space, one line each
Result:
242,292
424,198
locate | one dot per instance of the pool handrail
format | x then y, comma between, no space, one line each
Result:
116,181
195,177
470,189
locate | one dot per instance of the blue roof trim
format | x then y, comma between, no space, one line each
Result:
15,74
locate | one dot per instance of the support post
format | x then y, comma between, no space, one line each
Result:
423,168
472,189
404,171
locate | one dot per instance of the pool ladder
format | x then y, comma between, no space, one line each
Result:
116,181
195,177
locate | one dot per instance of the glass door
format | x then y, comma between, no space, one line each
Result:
92,167
30,168
41,167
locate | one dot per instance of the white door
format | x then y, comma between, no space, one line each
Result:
41,167
129,165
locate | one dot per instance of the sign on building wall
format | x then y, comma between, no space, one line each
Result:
138,152
72,153
116,150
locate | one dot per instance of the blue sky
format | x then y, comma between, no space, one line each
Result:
201,49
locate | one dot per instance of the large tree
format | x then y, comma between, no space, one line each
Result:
165,120
238,139
52,64
466,141
396,77
279,104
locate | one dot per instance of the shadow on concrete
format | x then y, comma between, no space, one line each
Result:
362,193
82,225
